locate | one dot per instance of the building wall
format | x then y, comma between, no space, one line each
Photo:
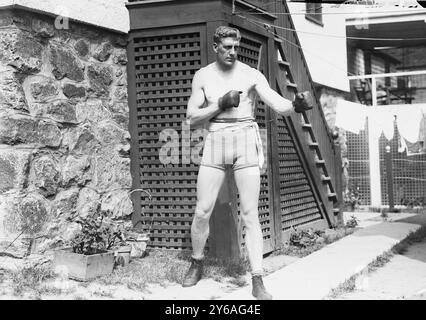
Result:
326,56
104,13
414,59
64,140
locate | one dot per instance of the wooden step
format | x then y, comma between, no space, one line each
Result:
325,179
291,85
332,195
314,145
307,126
320,162
284,63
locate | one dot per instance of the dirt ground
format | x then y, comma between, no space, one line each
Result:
63,289
403,277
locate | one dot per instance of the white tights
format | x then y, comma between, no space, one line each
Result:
208,185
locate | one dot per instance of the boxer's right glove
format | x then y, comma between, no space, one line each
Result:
230,100
303,102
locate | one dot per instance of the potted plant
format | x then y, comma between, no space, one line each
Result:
90,254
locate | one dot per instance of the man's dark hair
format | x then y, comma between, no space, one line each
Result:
226,32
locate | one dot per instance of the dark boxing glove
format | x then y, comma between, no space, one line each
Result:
230,100
302,102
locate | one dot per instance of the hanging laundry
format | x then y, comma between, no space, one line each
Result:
418,147
382,120
402,146
350,116
422,135
408,119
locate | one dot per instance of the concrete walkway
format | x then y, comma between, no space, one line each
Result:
313,277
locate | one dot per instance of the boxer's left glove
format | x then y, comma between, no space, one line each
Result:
230,100
303,102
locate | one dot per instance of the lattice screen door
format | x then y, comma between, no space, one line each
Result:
165,63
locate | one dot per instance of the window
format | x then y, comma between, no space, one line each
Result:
314,12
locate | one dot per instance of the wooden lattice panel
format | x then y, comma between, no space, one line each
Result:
250,53
298,205
165,65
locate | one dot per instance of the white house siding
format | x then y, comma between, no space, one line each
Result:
326,56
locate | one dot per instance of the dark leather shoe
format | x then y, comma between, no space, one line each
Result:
194,273
259,291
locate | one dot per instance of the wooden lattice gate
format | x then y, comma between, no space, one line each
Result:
163,57
164,64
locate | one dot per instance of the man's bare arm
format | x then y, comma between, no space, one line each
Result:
195,114
271,97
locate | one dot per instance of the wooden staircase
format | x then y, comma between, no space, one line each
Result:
327,179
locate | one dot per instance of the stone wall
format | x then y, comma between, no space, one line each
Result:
111,14
64,140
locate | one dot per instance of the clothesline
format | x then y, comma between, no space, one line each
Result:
410,120
351,116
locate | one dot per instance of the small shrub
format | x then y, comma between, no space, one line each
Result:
352,222
303,238
96,236
413,202
352,198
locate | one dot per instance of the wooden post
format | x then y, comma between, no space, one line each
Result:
373,143
338,185
389,178
133,129
224,241
273,163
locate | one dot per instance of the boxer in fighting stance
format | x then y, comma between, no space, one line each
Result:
224,96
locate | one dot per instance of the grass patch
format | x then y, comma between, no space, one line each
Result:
380,261
219,269
162,267
346,287
158,267
350,284
414,237
30,279
239,282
